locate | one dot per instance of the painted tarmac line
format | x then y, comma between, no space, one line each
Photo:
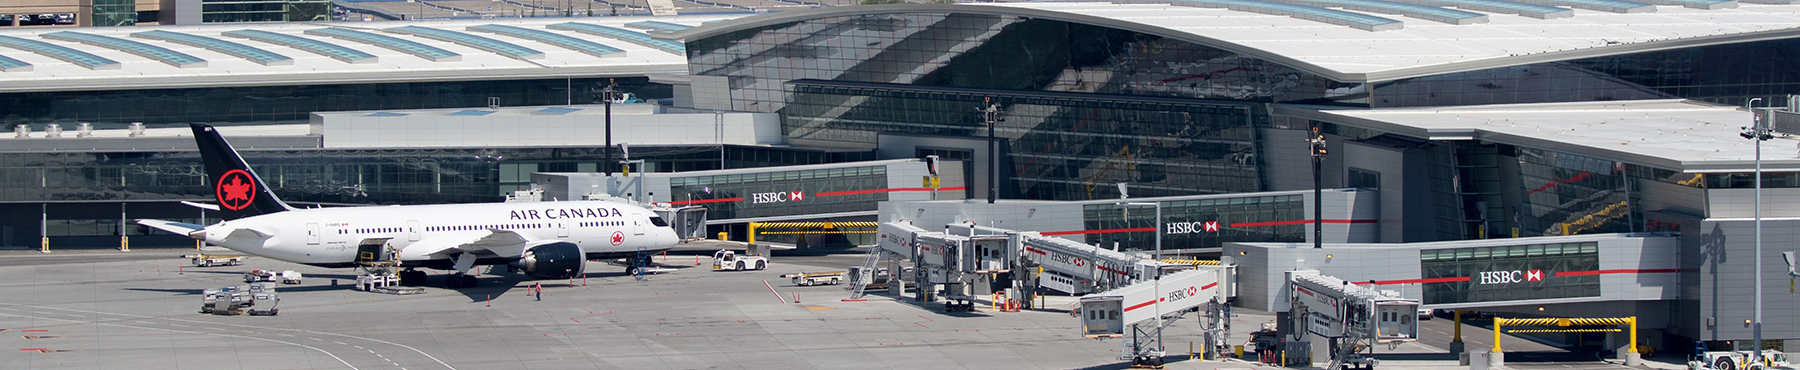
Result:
327,353
340,343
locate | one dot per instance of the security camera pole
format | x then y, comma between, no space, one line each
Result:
1318,158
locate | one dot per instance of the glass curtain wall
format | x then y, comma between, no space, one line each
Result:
114,109
110,13
1060,146
1249,219
783,193
993,52
216,11
1725,74
1504,273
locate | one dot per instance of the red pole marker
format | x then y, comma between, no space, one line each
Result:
490,300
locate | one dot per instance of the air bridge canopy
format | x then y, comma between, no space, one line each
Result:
1477,273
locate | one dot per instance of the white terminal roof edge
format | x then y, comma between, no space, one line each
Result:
1680,135
1345,54
225,70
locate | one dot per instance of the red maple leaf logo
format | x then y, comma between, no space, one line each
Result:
618,238
235,190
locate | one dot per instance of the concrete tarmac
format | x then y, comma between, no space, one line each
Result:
140,310
104,309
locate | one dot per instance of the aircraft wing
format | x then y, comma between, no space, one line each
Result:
497,242
171,226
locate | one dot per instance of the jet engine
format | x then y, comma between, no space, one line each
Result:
558,260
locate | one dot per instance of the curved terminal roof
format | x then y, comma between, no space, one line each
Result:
1517,32
1678,135
36,59
162,54
478,42
260,56
565,41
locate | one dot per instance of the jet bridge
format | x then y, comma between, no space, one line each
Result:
1352,317
1139,312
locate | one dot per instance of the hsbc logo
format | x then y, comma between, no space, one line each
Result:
1176,228
1509,277
777,197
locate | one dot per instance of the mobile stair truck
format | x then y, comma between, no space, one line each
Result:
1139,312
1352,317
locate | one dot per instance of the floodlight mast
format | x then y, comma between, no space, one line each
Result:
1317,143
1757,133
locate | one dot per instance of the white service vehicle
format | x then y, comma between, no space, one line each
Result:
817,278
731,260
1737,360
210,260
289,277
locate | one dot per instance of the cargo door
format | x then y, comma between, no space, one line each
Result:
412,230
312,234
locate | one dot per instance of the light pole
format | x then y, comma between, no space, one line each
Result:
607,95
1317,143
991,115
1757,133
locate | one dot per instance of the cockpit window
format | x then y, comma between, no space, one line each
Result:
658,221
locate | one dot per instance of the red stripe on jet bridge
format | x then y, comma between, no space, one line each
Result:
888,190
1110,270
1140,305
1298,222
1620,271
1303,290
1105,231
1416,281
700,201
1209,286
1035,250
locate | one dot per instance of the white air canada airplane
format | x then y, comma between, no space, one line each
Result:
546,240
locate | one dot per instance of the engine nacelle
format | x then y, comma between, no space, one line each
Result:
559,260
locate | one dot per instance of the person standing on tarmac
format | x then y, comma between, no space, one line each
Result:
538,290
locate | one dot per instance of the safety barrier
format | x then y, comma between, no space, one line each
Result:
1499,322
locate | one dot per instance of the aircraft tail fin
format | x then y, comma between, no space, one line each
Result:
236,187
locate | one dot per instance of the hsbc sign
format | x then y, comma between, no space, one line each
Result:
1510,277
1177,228
777,197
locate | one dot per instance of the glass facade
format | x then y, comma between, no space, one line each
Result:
1060,146
1517,272
1725,74
991,52
109,13
114,109
84,189
783,193
216,11
1248,219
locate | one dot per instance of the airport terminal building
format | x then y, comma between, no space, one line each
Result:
1458,122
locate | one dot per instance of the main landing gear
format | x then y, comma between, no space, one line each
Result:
412,277
460,280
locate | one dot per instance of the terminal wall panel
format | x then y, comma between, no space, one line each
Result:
1727,264
1741,203
1390,166
1038,216
1287,148
1657,196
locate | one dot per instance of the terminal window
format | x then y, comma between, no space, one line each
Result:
1516,272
